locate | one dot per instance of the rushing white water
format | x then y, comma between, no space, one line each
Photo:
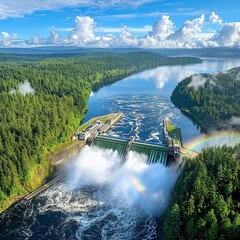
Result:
108,198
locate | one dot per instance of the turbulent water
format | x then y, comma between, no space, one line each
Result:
102,197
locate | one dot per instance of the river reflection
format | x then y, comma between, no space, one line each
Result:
144,99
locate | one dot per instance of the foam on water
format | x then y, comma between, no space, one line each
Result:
140,110
111,200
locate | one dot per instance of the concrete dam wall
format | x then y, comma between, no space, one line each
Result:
155,153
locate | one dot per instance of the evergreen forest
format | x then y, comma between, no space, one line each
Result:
205,200
213,101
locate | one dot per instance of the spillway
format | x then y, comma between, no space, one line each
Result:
115,144
155,153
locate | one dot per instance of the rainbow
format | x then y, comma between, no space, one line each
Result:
214,139
137,185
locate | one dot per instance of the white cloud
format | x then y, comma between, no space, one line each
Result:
197,81
83,32
18,8
162,28
189,30
162,35
7,39
144,29
36,40
187,36
229,35
111,30
125,39
54,38
215,19
25,88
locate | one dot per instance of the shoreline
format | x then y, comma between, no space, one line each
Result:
192,117
203,128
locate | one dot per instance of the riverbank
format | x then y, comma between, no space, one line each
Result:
194,118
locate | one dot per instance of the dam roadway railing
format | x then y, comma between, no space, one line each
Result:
155,153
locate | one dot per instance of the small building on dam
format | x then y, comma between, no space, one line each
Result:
162,153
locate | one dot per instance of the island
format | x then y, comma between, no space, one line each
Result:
211,100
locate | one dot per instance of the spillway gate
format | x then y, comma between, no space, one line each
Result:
154,152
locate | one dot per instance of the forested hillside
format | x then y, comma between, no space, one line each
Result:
211,100
205,199
42,103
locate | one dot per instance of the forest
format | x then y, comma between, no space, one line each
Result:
205,199
213,101
44,99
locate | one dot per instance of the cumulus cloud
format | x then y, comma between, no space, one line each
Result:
54,38
215,19
162,35
23,88
83,32
162,28
189,30
36,40
7,39
124,39
229,35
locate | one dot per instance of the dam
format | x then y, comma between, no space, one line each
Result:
92,133
155,153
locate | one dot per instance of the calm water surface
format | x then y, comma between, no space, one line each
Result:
109,203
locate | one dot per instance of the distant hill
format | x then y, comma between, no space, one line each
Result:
203,52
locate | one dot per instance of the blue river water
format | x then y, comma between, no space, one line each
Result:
144,99
101,199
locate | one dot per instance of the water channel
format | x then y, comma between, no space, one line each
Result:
102,199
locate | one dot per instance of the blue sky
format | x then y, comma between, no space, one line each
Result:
26,18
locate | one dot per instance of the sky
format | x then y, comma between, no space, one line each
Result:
120,23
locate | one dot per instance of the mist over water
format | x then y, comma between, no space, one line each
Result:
102,197
133,182
108,198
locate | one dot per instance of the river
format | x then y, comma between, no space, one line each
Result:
101,198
